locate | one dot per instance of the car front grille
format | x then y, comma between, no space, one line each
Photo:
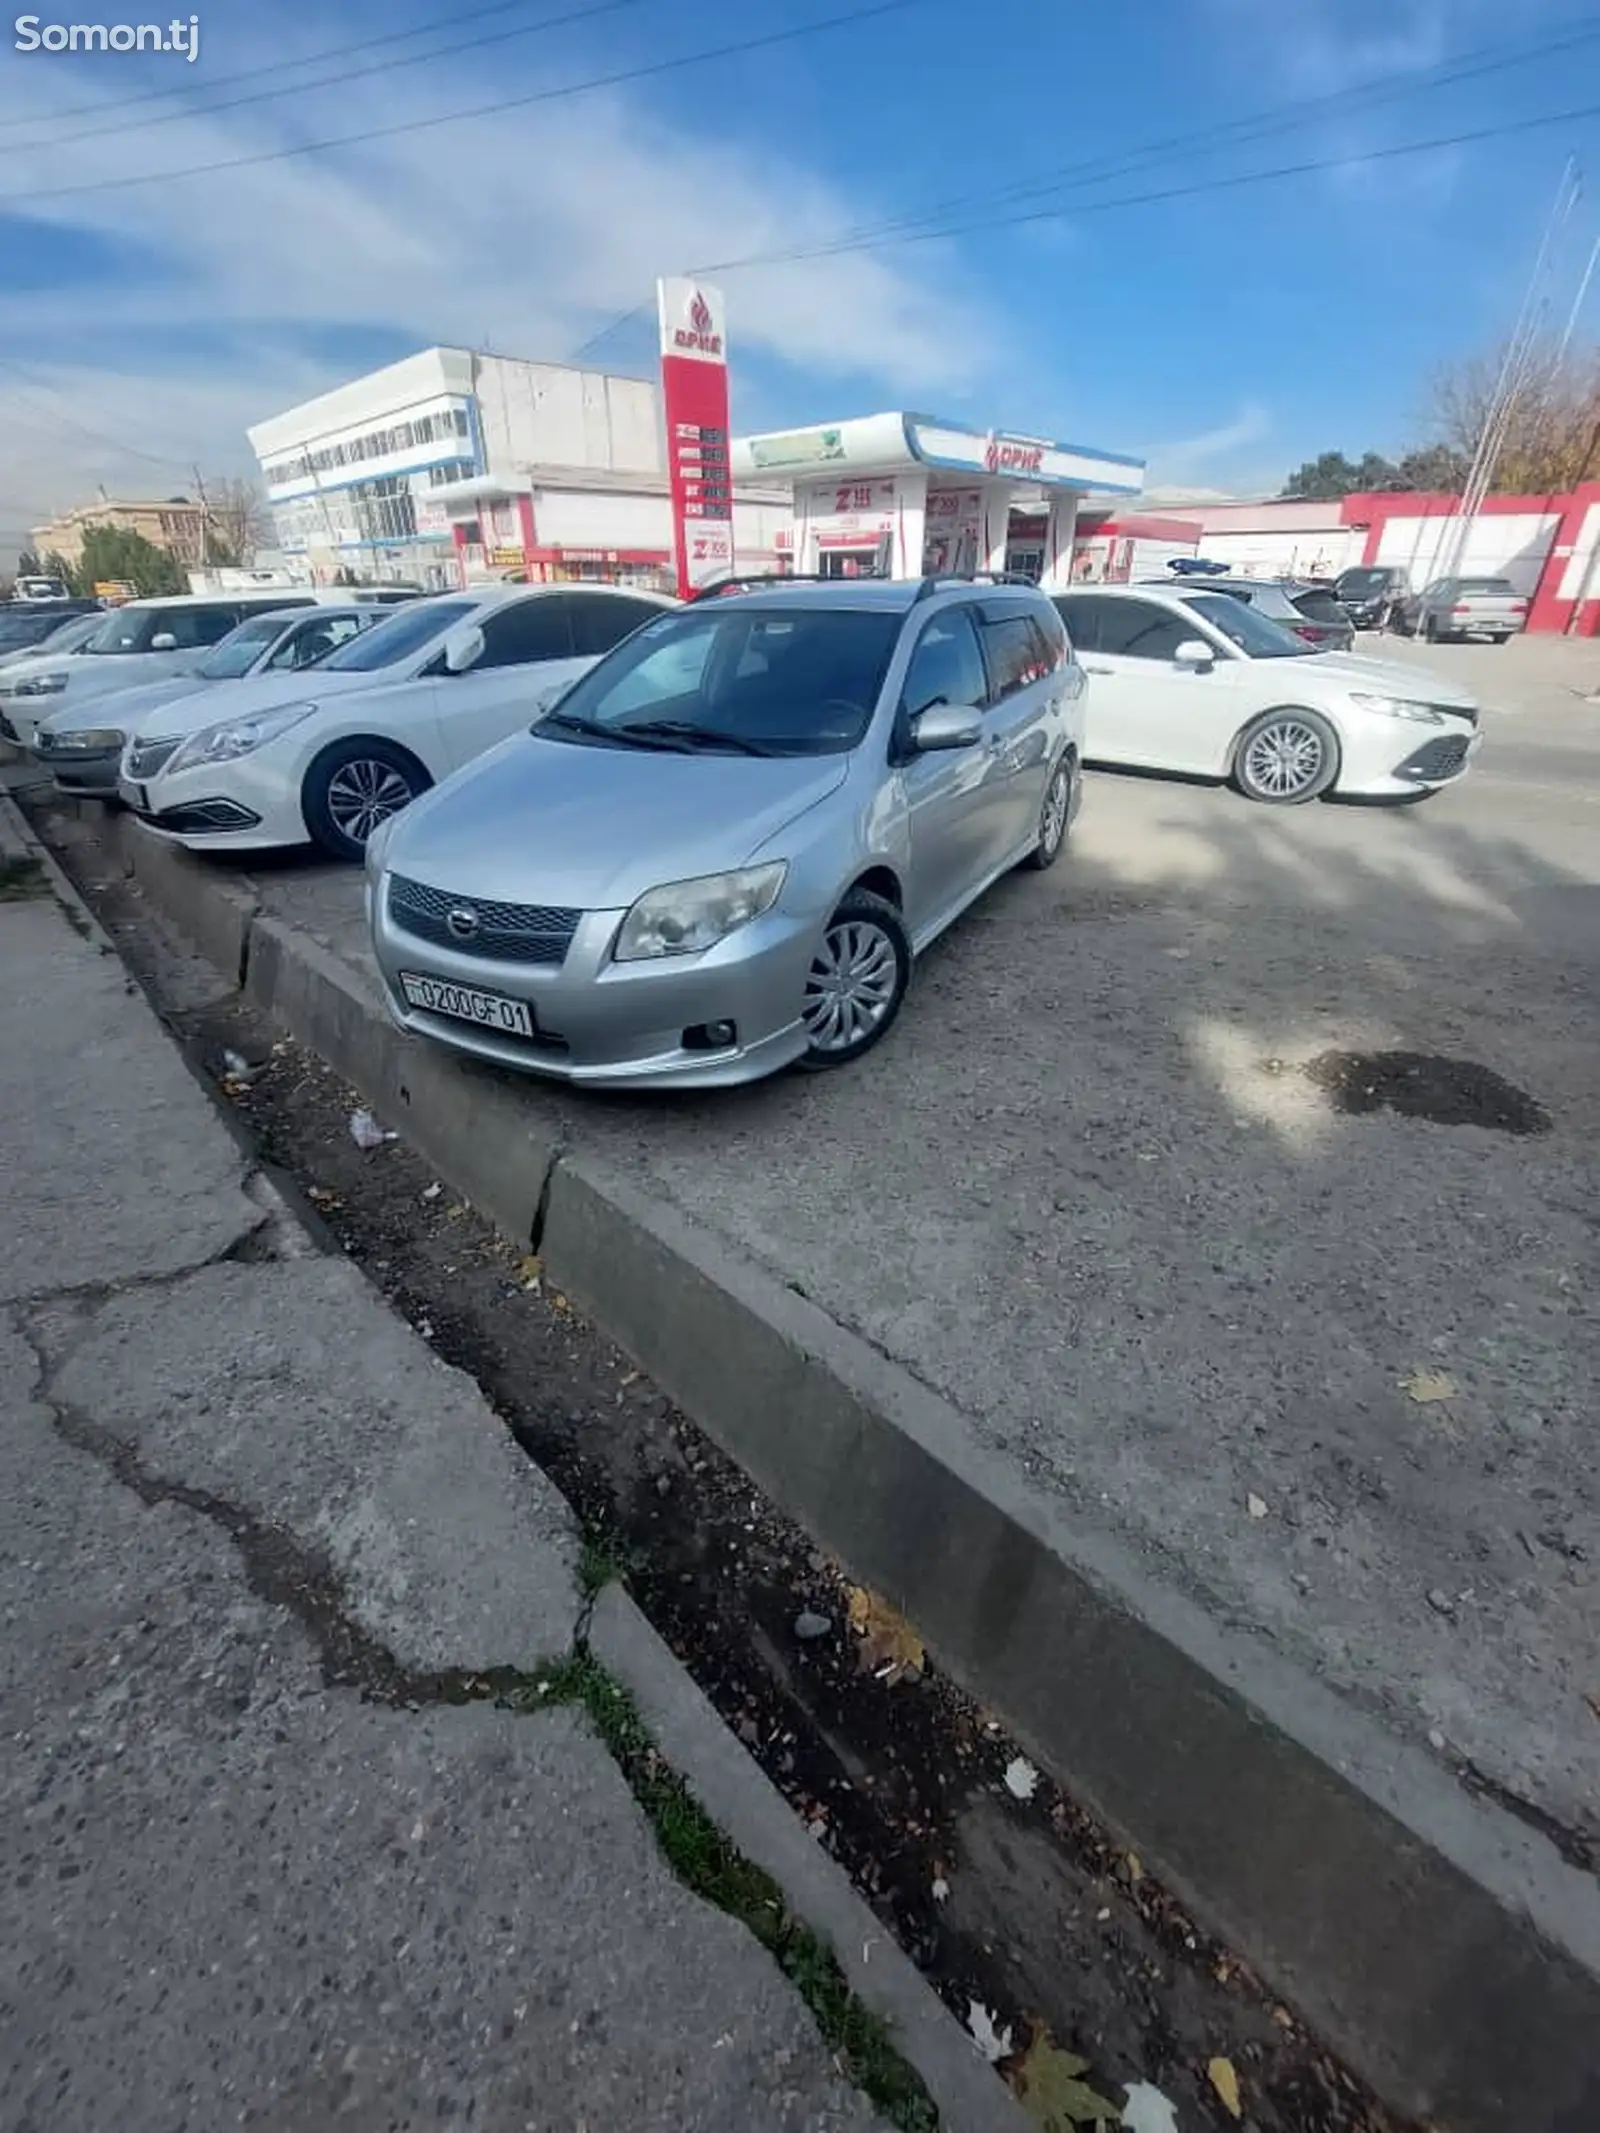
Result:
499,933
1445,758
147,759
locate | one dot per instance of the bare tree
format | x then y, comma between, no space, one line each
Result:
1552,425
236,519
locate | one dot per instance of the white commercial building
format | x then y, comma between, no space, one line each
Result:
452,466
898,494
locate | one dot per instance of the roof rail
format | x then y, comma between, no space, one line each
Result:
931,584
760,577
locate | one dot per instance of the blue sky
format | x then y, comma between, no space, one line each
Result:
1226,334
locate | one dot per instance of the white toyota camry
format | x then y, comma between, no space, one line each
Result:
330,754
1196,682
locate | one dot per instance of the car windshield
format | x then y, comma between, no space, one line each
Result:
407,631
67,636
125,629
26,629
1255,635
736,678
1360,584
238,652
1501,586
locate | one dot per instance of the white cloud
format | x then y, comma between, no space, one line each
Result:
522,231
1215,450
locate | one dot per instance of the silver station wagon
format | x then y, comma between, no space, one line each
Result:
719,852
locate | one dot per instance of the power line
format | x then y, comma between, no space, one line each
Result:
623,75
1255,125
226,81
1384,88
70,422
1171,192
263,96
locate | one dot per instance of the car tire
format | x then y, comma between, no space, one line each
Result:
1286,757
354,786
856,982
1055,816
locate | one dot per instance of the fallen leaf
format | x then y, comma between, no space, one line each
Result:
529,1270
941,1889
1050,2086
1593,1702
1148,2111
1022,1780
889,1646
1426,1385
1135,1867
994,2044
1256,1506
1226,2083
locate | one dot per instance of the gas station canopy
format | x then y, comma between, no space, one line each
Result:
898,494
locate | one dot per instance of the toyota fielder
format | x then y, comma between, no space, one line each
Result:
719,852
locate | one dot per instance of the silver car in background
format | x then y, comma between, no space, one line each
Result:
719,852
1458,608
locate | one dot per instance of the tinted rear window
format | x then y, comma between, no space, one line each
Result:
1319,607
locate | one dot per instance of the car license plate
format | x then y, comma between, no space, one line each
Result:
464,1003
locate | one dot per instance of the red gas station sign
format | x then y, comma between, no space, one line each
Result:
694,399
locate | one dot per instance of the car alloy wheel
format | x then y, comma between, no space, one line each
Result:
363,794
856,981
1286,757
1055,815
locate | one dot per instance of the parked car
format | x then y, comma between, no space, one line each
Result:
1458,608
329,755
42,630
1306,607
720,852
83,744
1368,593
140,641
1192,680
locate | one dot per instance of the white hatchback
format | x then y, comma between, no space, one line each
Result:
1199,683
330,754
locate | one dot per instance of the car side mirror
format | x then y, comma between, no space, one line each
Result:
1195,654
943,726
163,641
464,650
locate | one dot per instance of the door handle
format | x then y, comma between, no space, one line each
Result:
1098,670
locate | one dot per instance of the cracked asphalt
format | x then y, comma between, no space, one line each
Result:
260,1867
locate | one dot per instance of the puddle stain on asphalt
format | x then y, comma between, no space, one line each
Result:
1445,1092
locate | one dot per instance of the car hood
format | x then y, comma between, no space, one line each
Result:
214,701
1388,677
123,708
538,821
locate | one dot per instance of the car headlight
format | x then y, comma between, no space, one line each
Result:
373,855
237,736
87,740
1399,707
684,917
40,685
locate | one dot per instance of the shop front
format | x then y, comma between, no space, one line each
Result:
900,495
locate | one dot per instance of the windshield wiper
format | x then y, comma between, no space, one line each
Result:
569,723
687,734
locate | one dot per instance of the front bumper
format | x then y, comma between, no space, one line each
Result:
89,776
1380,762
249,805
618,1025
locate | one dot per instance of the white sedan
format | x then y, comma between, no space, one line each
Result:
1193,681
330,754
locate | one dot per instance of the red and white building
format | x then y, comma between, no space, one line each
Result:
1548,546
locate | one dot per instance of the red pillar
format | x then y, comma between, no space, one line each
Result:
1550,609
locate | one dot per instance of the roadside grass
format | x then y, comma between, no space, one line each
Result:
705,1861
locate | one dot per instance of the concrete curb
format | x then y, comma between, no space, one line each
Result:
1441,1945
740,1800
